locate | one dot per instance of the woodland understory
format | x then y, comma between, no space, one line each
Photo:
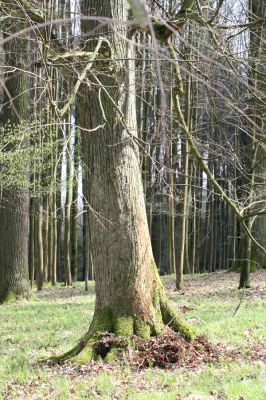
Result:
233,365
132,158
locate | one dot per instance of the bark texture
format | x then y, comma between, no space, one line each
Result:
14,201
257,78
130,298
255,143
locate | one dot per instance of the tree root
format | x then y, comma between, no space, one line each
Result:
124,327
173,319
122,330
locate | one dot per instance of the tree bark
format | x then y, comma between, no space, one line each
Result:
257,77
252,156
38,243
45,229
14,201
184,188
129,295
69,195
74,213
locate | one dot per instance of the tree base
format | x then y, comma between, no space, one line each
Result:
11,297
244,285
148,321
244,282
123,330
168,350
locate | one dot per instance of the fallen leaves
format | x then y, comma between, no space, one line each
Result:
171,350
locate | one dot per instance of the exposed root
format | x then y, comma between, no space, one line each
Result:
123,332
176,322
108,322
71,354
167,350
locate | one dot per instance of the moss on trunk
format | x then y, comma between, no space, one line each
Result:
160,313
130,297
125,326
10,297
13,295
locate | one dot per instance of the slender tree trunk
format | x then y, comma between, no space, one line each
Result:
171,207
59,237
45,228
69,195
38,244
31,244
50,240
245,254
74,235
54,244
194,229
188,220
185,192
74,214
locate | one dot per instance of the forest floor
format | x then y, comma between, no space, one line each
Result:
57,317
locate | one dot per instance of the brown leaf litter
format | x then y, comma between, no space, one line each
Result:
168,350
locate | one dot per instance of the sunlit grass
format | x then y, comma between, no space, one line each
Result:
52,322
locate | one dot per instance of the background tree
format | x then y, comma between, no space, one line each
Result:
221,73
14,197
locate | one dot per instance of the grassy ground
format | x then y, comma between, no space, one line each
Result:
51,324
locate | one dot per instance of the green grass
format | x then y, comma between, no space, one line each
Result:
56,318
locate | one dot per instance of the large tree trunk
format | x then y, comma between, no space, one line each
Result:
129,295
14,201
256,162
258,82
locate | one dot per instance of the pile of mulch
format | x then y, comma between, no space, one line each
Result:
169,350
